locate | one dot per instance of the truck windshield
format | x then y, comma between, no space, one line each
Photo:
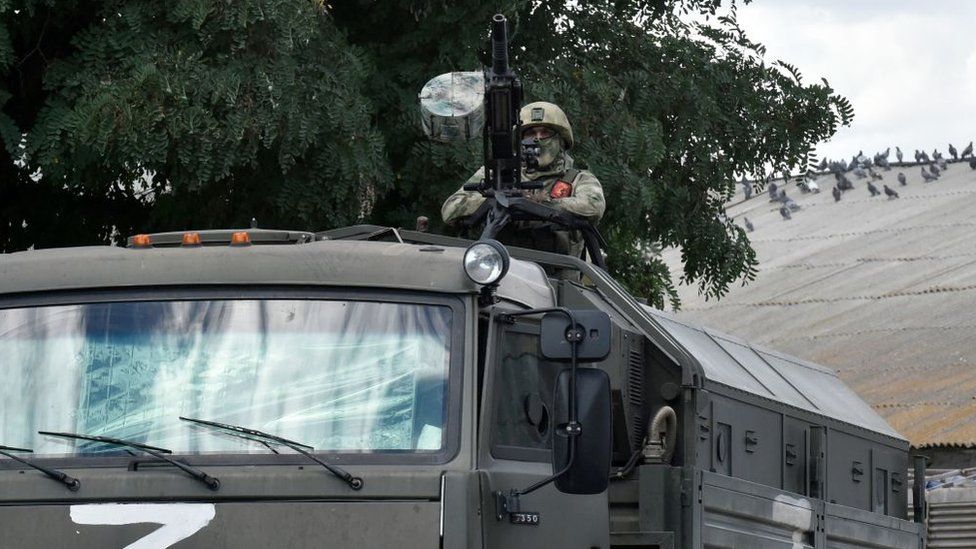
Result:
342,376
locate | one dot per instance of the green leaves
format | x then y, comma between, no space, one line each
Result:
146,115
211,112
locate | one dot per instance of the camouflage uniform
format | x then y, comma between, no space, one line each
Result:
583,197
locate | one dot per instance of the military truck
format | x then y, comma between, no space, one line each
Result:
370,387
374,387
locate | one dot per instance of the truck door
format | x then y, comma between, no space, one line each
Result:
515,443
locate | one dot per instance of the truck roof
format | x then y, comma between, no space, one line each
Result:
344,263
773,375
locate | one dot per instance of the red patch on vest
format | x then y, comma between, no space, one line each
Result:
561,190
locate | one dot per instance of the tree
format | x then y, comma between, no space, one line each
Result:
142,115
181,114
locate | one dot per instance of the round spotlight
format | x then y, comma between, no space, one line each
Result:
486,262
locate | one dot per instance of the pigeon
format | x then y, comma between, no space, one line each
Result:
844,183
836,192
899,154
874,175
972,163
861,174
746,188
927,176
924,156
886,153
793,206
935,170
874,190
943,165
968,151
953,152
890,192
782,196
883,162
749,226
823,165
772,192
902,179
936,155
918,157
785,212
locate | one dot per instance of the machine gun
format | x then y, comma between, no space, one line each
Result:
503,99
505,154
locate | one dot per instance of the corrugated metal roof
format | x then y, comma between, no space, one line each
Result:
880,290
731,361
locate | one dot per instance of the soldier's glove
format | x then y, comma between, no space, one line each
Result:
535,196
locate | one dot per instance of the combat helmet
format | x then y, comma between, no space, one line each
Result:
546,114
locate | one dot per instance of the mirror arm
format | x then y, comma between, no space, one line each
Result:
554,476
509,502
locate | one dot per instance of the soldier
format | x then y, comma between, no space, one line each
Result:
564,187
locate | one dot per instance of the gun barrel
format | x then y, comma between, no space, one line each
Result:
499,44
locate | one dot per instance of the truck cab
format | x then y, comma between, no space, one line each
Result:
357,388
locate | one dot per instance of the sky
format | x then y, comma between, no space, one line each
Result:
908,68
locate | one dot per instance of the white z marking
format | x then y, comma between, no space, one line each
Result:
179,520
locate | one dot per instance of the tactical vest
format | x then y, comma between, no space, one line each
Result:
544,236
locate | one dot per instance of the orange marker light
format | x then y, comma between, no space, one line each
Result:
141,241
240,239
191,239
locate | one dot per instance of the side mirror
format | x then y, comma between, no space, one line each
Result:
592,327
589,472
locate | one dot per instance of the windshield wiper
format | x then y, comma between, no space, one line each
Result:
71,482
356,483
153,451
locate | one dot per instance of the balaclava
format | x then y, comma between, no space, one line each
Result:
550,150
552,158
